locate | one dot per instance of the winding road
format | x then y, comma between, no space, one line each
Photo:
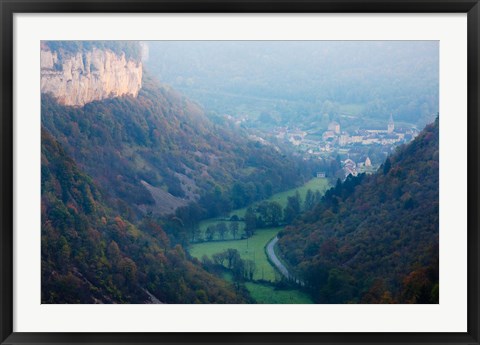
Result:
278,264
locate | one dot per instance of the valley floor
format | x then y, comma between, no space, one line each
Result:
259,248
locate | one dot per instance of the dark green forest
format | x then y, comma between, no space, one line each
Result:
374,238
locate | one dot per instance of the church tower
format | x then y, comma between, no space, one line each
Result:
391,125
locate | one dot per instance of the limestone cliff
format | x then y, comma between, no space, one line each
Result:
83,77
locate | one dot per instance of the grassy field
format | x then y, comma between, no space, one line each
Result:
351,109
214,221
266,294
269,295
252,249
314,184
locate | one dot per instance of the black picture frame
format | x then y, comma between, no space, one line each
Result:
9,7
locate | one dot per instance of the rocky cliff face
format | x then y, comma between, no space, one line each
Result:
88,76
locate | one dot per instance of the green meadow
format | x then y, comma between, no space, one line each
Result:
320,184
315,184
351,109
266,294
252,248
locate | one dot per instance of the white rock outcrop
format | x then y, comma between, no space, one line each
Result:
88,76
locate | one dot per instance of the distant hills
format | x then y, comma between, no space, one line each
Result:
374,239
298,82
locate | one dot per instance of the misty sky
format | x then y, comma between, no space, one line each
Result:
399,76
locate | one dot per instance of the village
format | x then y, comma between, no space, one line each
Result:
360,151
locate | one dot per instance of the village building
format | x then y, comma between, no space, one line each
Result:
328,135
343,140
391,125
334,127
349,163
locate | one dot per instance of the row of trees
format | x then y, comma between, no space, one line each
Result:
261,215
270,213
221,230
230,259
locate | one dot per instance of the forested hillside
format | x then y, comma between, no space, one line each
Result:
136,178
90,254
374,239
125,181
158,152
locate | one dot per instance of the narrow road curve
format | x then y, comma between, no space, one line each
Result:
274,259
278,264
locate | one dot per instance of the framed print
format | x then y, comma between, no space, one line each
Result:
261,172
